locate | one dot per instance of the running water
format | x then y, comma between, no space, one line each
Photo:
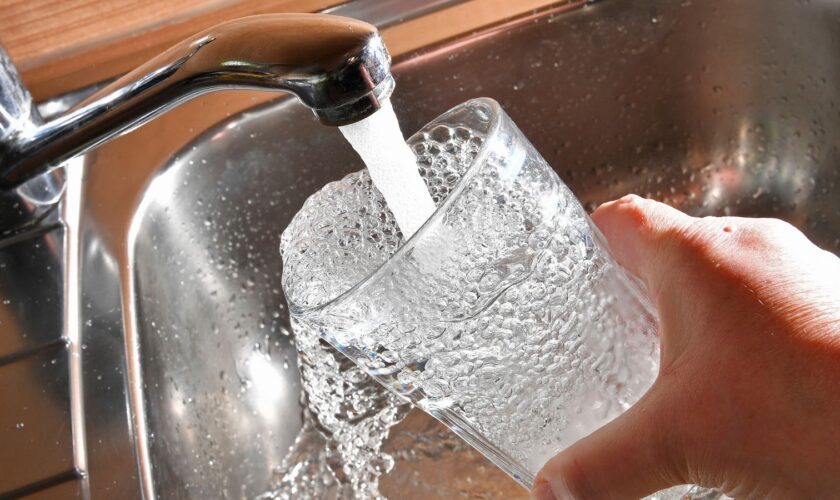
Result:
572,363
348,415
392,166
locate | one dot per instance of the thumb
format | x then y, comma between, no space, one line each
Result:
627,458
640,233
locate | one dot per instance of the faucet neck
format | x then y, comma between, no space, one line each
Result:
336,66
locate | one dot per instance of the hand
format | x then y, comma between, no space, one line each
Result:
747,399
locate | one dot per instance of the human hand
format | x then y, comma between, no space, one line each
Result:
747,400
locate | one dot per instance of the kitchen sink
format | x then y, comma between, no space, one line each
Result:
191,387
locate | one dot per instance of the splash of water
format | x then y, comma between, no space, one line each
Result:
348,415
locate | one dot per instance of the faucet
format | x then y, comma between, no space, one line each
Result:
338,67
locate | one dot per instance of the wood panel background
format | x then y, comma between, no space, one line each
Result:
62,45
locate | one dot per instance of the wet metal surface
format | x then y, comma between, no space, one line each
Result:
717,107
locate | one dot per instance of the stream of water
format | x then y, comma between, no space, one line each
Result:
392,167
347,414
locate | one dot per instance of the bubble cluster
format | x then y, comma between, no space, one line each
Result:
342,233
505,318
443,155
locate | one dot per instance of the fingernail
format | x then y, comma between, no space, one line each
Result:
542,491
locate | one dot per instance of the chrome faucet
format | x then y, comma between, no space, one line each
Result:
336,66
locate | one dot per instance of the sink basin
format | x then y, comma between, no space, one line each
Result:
716,107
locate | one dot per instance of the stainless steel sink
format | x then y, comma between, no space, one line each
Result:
191,388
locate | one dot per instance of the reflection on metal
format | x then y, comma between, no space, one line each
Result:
385,13
23,209
337,66
71,211
716,107
59,105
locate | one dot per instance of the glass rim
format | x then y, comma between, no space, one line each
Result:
495,121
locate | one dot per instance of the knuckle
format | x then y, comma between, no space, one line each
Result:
637,210
575,483
733,240
772,229
764,235
701,237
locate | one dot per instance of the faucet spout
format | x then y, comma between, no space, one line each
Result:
336,66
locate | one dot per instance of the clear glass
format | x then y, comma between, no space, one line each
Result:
505,316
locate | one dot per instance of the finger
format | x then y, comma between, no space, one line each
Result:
640,233
627,458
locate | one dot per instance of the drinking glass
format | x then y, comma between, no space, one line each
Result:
505,316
